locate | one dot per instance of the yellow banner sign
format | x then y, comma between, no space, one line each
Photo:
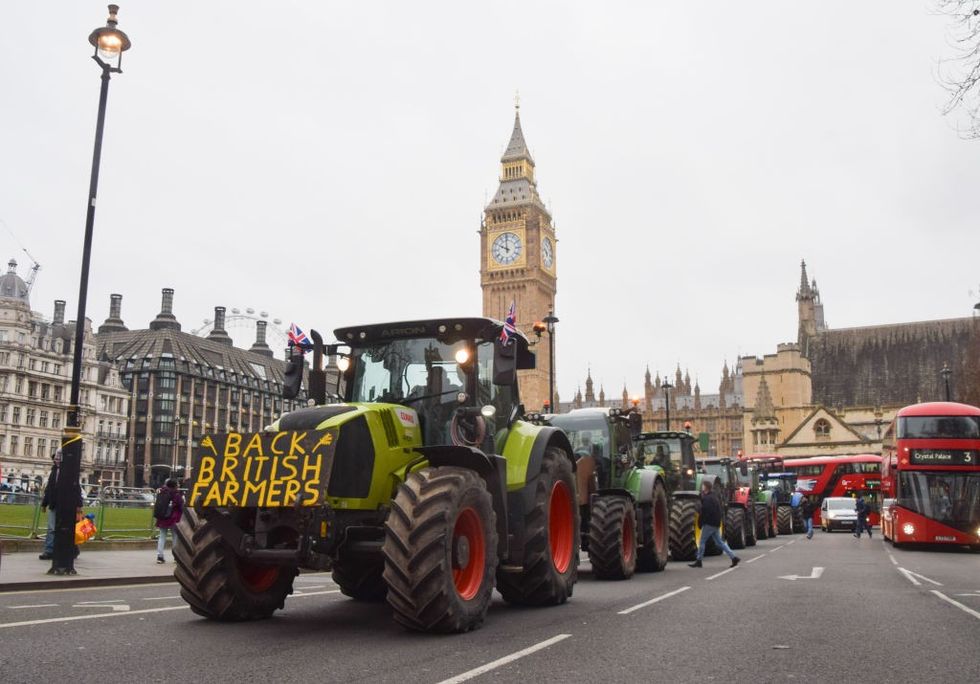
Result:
266,469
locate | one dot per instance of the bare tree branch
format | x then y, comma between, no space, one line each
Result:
960,73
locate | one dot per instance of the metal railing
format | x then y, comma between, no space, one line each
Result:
120,513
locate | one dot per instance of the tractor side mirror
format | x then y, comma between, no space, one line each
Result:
293,377
504,363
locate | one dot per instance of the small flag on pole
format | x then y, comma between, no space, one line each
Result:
509,328
298,337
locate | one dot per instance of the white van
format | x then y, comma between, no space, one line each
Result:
838,513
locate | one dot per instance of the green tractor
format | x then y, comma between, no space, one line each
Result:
623,504
423,485
673,452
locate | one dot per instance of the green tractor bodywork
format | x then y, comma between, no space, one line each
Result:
778,492
423,485
623,502
673,451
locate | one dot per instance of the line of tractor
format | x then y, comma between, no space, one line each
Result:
423,482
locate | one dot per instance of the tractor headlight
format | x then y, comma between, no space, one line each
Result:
488,411
908,528
462,356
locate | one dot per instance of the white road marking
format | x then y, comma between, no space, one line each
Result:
36,605
314,586
755,558
791,542
652,601
719,574
470,674
976,593
892,558
161,598
910,576
116,606
776,548
814,574
956,603
93,604
56,591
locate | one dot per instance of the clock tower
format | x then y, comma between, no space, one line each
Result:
518,258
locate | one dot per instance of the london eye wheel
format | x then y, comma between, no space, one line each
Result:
240,326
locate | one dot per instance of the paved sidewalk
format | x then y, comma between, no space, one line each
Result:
24,571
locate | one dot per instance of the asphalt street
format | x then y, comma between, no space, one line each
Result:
831,609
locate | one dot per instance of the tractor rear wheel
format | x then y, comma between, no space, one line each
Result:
655,519
362,580
785,519
750,526
761,521
612,538
220,585
440,551
551,533
735,527
683,518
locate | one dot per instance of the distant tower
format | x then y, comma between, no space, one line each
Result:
810,309
518,256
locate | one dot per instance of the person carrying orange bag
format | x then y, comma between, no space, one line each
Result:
85,529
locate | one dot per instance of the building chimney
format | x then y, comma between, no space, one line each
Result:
59,312
260,346
166,320
114,323
218,333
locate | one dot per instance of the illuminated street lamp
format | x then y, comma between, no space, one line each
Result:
109,43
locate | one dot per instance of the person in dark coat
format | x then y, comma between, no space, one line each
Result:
806,508
49,502
710,523
862,518
167,523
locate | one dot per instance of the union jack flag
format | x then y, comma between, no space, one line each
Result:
298,337
509,325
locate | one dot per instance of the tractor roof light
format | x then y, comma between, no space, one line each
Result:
462,356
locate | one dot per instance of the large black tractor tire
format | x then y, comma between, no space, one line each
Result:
750,527
735,527
551,532
362,580
785,517
683,521
655,520
761,521
612,538
799,524
217,583
440,551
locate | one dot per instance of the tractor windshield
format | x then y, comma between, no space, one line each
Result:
402,371
589,435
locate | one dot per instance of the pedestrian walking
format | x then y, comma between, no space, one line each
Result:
49,502
167,510
862,518
806,508
710,522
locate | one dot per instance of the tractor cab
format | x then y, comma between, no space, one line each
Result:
672,451
603,438
456,376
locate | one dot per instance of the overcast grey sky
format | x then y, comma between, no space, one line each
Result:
329,162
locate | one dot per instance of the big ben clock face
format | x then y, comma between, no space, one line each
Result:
506,248
547,253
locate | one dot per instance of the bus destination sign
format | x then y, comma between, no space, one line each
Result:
953,457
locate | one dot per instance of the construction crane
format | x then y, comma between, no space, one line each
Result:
35,268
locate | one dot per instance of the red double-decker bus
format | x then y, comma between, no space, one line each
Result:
854,476
931,468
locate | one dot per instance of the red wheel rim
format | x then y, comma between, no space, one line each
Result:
561,526
628,540
258,578
468,554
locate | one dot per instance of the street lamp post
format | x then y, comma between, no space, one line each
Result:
550,320
109,43
946,372
667,387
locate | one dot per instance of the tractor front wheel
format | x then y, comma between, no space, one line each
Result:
220,585
549,568
751,529
440,551
612,538
735,527
785,519
655,518
761,521
683,540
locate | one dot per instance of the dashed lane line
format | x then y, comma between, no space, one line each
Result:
73,618
500,662
755,558
719,574
959,605
776,548
36,605
652,601
791,542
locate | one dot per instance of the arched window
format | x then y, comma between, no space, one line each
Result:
821,429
